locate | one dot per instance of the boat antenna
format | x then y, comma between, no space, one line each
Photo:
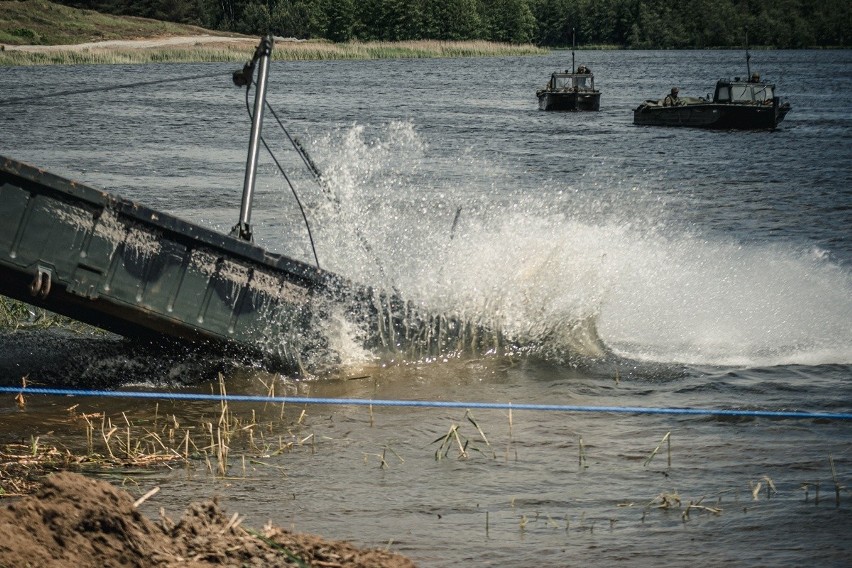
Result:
242,78
748,56
573,69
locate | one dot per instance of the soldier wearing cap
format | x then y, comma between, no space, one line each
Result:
672,99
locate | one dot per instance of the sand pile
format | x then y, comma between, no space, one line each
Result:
77,521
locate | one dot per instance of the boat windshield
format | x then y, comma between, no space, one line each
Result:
571,81
585,82
744,92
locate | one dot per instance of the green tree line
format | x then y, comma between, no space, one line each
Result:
636,24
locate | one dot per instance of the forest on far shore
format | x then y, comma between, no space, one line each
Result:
633,24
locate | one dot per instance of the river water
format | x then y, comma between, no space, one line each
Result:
639,266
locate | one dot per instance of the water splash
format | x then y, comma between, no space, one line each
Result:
561,272
688,299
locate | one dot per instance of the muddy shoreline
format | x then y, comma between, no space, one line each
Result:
74,520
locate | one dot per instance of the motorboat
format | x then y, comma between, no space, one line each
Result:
735,105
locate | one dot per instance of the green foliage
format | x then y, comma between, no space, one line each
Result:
47,23
646,24
256,19
510,21
26,34
451,20
339,22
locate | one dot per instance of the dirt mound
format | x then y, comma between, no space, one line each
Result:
77,521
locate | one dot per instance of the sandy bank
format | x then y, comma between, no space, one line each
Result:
147,43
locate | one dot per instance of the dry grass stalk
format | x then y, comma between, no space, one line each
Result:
446,443
221,454
145,497
453,438
469,416
107,435
666,439
698,506
509,441
837,486
138,445
399,457
756,487
770,486
383,464
270,391
19,399
22,465
667,501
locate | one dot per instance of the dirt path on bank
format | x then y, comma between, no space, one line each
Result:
145,43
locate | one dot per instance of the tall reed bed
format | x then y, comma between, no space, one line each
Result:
283,51
101,441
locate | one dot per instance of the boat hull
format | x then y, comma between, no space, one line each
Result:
718,116
557,101
120,266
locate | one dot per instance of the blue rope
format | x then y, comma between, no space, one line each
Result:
431,403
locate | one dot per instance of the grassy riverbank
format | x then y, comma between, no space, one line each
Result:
38,32
240,51
39,22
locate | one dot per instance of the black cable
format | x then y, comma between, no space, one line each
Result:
292,189
301,151
34,98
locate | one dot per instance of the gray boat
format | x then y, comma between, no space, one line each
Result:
570,90
735,105
738,104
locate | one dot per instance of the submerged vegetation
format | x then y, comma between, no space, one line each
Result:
228,443
97,442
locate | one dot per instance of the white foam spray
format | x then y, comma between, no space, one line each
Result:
555,268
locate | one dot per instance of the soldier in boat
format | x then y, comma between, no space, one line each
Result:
672,98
